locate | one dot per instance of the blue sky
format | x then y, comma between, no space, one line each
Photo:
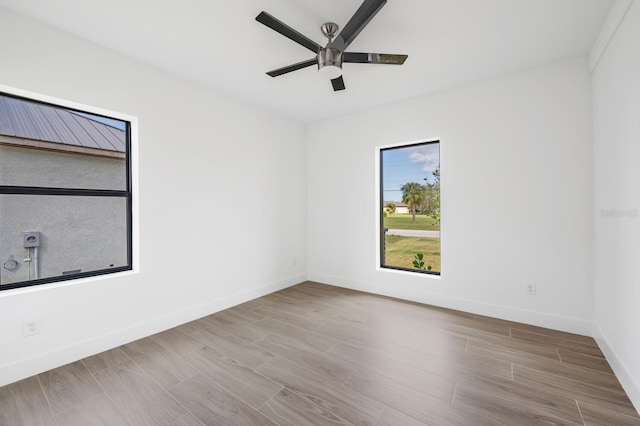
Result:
408,164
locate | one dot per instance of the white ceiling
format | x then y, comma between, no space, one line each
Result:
449,43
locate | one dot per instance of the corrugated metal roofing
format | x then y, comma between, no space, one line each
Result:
31,120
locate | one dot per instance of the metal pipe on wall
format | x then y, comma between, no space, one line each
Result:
36,271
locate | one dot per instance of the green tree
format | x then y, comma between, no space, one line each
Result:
390,207
431,204
412,196
436,189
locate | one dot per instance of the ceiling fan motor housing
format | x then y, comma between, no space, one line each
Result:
329,57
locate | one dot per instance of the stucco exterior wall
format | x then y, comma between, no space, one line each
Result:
33,167
77,233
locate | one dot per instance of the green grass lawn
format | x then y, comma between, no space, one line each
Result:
403,221
400,251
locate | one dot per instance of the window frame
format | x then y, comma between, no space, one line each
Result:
127,193
380,208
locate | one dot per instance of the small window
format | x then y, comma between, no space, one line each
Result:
410,207
65,193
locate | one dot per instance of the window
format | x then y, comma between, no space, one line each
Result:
65,193
410,207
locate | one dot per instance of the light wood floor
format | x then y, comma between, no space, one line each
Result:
319,355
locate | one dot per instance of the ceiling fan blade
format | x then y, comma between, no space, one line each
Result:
287,31
294,67
373,58
338,84
358,21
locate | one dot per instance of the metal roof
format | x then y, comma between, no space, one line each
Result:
32,120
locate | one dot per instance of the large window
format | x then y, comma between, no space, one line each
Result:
65,193
410,207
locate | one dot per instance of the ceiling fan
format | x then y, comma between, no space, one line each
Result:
330,58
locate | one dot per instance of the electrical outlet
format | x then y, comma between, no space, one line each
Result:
30,328
531,289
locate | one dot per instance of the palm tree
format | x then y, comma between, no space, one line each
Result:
412,196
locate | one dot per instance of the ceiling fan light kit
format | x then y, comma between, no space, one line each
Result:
331,57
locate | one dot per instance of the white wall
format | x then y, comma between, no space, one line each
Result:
616,95
516,164
199,152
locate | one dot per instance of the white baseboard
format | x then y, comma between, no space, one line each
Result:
556,322
61,356
628,382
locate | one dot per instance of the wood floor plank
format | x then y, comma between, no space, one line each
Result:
598,416
137,397
433,342
511,350
402,384
564,336
336,307
556,333
461,365
424,381
346,305
161,365
24,403
385,305
581,391
176,341
319,290
418,405
392,417
306,338
239,315
96,411
430,342
104,360
504,411
349,333
374,354
369,341
289,408
412,377
189,420
214,405
556,342
472,328
348,404
560,407
325,310
418,320
587,361
193,326
423,337
284,314
234,323
242,350
239,379
249,312
577,373
333,368
68,385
